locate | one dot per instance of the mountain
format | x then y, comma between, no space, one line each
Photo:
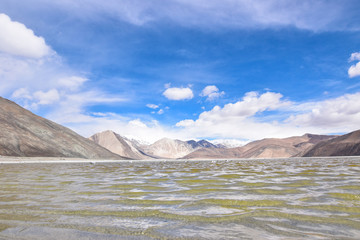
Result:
266,148
119,145
163,148
284,147
25,134
201,144
345,145
168,148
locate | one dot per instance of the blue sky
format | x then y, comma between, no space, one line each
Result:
231,69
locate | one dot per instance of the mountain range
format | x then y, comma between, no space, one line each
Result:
163,148
25,134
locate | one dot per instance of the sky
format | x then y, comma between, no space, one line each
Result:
234,70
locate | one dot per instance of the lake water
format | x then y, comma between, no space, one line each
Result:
237,199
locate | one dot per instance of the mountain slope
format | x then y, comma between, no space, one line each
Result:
118,144
265,148
345,145
26,134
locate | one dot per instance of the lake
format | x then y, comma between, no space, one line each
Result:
309,198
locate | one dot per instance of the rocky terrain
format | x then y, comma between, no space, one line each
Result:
25,134
345,145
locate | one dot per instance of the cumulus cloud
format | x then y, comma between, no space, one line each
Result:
17,39
234,120
354,57
178,93
240,120
338,114
211,92
354,70
251,104
152,106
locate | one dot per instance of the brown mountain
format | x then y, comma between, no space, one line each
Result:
118,144
28,135
345,145
266,148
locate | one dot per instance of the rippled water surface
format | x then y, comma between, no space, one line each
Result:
239,199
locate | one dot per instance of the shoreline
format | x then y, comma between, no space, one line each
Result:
28,160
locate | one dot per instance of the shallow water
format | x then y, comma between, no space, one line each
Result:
237,199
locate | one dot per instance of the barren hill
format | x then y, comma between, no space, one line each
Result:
345,145
28,135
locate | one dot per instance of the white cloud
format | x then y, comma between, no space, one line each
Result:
161,111
332,115
354,57
45,98
211,92
152,106
17,39
137,123
178,93
185,123
240,120
354,70
251,104
22,93
236,120
72,82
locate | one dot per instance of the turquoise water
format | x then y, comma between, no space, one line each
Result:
236,199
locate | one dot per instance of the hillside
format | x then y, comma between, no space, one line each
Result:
345,145
28,135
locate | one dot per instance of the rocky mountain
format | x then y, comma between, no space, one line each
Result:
119,145
28,135
345,145
266,148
